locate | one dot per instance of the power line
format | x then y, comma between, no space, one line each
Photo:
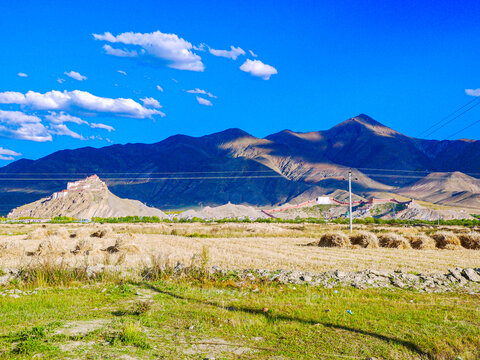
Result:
454,118
150,178
141,173
465,128
446,117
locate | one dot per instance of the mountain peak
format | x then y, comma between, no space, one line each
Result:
365,121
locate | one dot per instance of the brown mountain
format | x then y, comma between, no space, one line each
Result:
456,189
232,165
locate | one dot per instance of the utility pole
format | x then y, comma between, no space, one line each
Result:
350,197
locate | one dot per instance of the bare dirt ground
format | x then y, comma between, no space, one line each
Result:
260,246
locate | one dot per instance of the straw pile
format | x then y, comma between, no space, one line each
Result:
446,240
334,239
364,239
394,241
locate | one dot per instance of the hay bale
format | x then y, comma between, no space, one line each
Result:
364,239
8,249
83,247
121,245
50,247
421,242
62,233
38,234
394,241
80,233
101,233
470,240
334,239
446,240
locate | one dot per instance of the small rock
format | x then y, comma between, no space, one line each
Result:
471,275
306,278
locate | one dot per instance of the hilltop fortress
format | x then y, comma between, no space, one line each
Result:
91,183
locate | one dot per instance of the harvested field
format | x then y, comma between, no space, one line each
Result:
271,246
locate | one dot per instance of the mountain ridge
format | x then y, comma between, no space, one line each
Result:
296,164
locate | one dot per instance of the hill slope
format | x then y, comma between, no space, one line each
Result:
84,199
456,189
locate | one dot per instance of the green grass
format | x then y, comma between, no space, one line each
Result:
188,320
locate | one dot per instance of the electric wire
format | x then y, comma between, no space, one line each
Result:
446,117
452,119
465,128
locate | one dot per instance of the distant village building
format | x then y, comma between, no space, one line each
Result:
323,200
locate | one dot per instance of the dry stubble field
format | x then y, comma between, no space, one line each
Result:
261,246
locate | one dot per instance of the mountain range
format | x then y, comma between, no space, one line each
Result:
234,166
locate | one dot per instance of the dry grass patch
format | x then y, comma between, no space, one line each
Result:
446,240
364,239
394,241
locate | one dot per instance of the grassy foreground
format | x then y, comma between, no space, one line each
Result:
174,319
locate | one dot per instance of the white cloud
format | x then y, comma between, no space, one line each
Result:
22,74
231,54
62,117
82,100
159,88
17,125
151,102
252,53
200,47
60,80
122,72
473,92
4,151
63,130
119,52
102,126
170,47
203,101
75,75
200,91
6,154
258,68
175,81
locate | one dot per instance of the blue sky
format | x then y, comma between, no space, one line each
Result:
405,63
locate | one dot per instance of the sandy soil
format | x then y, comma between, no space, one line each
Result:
269,246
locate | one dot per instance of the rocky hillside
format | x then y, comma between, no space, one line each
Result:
183,171
446,188
84,199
